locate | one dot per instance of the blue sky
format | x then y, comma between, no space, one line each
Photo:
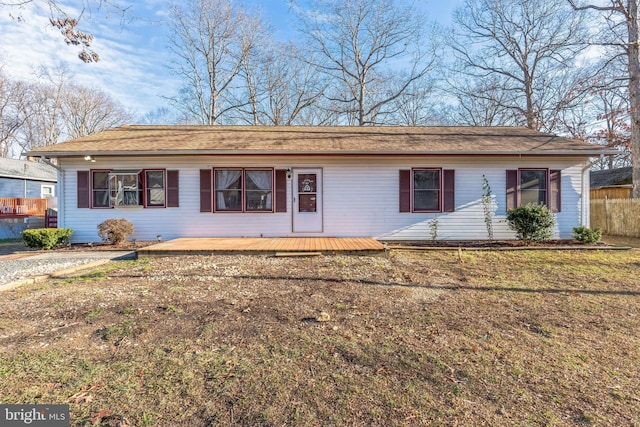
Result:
133,66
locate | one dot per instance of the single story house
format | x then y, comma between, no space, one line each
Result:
21,182
27,179
392,183
611,183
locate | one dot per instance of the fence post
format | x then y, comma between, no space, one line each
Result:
606,214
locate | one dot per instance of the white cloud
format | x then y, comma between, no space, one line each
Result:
132,55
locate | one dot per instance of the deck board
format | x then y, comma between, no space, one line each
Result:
326,245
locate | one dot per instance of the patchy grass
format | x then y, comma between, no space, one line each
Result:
516,338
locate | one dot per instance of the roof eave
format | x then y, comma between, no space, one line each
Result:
583,153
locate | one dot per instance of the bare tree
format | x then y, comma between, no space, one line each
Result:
68,23
280,86
529,47
210,40
59,109
417,105
13,98
357,44
86,111
623,37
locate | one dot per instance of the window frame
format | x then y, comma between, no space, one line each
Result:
142,192
146,188
243,190
93,190
440,190
52,187
139,191
547,189
553,199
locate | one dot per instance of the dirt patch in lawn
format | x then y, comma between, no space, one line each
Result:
494,338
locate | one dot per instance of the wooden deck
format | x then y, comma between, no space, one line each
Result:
272,246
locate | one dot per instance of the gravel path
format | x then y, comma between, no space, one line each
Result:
13,269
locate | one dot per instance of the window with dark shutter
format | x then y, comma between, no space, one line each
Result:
173,193
405,191
84,189
281,190
205,190
449,195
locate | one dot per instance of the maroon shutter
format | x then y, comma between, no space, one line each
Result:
512,189
205,190
405,191
448,186
281,190
173,199
84,190
555,191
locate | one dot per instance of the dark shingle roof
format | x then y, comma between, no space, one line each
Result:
175,140
611,177
24,169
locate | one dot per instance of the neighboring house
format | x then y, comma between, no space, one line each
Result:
611,183
22,184
383,182
27,179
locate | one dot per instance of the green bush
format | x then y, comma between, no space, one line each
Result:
46,238
532,222
586,235
115,230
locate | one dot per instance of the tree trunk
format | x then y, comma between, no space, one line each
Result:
634,93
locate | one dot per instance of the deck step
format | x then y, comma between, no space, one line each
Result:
293,254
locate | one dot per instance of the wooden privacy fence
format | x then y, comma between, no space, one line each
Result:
618,217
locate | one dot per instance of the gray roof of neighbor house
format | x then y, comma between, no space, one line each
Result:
296,140
611,177
25,169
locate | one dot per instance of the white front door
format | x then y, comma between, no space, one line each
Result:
307,200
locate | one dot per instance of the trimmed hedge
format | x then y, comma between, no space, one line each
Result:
115,230
532,222
46,238
586,235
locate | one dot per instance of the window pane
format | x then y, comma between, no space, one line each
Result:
533,187
426,179
307,203
426,190
124,189
307,183
100,180
155,179
155,188
228,200
228,179
258,200
259,180
100,198
426,200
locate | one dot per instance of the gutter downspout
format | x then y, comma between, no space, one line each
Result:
60,190
586,196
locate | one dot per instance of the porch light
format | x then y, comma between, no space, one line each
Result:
90,159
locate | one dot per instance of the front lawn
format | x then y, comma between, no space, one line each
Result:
415,338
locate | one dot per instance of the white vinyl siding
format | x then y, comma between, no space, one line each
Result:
360,194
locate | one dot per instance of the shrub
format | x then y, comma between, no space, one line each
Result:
46,238
115,230
586,235
532,222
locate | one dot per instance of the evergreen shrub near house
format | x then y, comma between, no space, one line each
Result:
586,235
46,238
532,222
115,230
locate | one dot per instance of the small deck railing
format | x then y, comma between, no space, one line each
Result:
15,207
